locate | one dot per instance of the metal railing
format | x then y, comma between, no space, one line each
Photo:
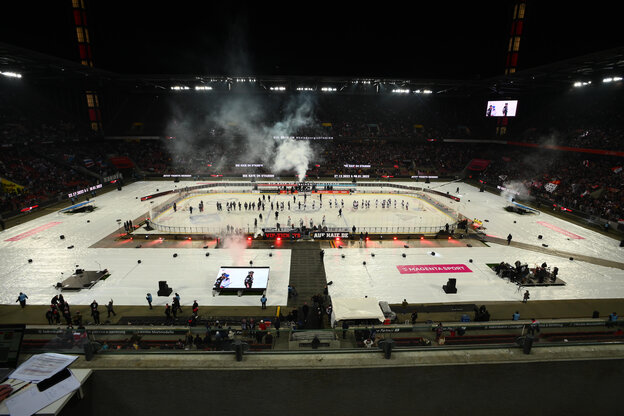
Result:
288,339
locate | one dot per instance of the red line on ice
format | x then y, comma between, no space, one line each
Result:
561,230
33,231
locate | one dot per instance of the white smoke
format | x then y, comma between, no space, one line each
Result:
235,246
515,190
292,154
254,134
240,125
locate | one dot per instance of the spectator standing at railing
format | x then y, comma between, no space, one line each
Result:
534,326
613,317
277,324
168,311
439,331
50,316
414,317
96,316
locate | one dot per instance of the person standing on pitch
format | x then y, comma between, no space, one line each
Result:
509,239
263,301
526,296
22,299
109,308
149,299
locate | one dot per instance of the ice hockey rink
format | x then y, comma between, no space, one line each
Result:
191,273
374,209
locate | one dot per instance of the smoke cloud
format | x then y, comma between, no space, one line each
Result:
249,129
515,190
239,125
235,246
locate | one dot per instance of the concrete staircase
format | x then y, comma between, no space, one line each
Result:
307,273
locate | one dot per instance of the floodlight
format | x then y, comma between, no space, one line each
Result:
11,74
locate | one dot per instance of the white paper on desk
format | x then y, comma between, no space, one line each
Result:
31,400
42,366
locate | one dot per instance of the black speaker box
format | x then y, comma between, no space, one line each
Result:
450,286
163,288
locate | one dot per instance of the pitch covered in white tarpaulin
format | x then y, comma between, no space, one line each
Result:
192,274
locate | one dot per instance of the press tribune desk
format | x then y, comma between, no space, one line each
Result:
55,408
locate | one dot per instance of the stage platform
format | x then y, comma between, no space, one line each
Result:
83,279
86,206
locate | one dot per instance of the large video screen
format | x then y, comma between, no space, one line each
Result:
505,108
242,278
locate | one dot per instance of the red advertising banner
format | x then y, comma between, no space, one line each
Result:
433,268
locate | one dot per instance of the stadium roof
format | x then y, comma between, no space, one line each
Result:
40,67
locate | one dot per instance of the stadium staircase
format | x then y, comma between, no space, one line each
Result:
307,273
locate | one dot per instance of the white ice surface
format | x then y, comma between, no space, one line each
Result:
419,213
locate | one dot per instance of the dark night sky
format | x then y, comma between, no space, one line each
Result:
461,40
